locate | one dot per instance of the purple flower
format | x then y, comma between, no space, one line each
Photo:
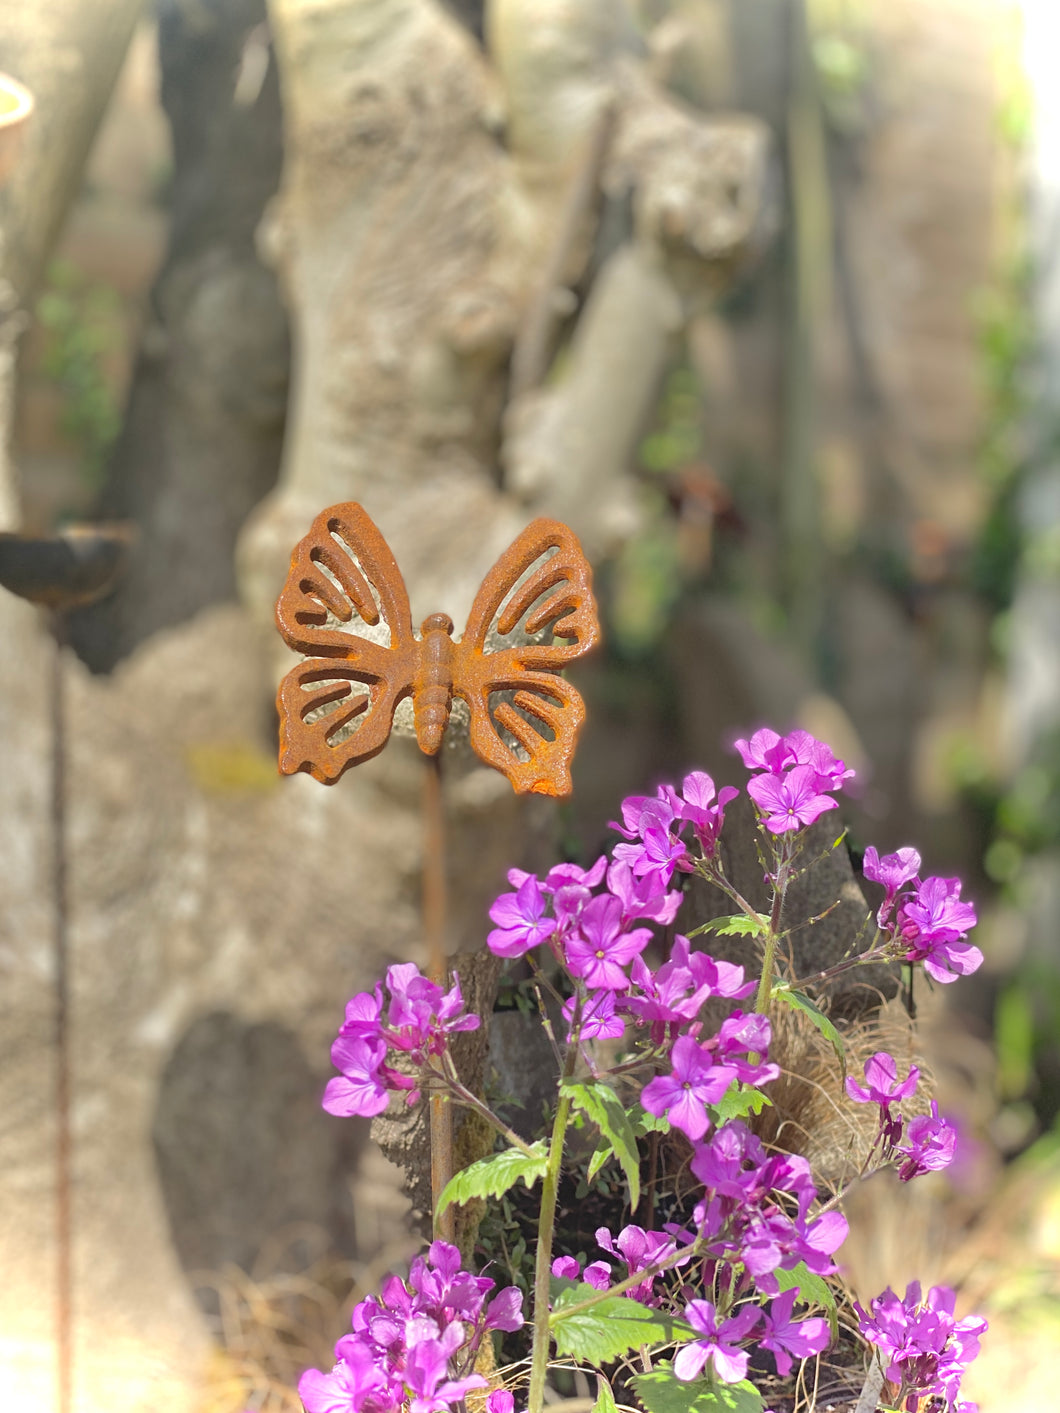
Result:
674,994
564,874
599,1021
804,749
932,1145
790,801
694,1082
600,950
597,1274
522,920
894,871
500,1401
364,1015
722,1163
642,897
786,1337
764,751
658,852
697,806
358,1090
353,1380
881,1078
719,1343
426,1372
923,1348
639,1249
421,1016
933,924
505,1310
741,1034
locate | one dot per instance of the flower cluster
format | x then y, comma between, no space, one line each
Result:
594,937
924,1349
637,1248
931,1140
756,1208
414,1345
702,1072
757,1217
721,1338
925,919
653,827
419,1019
796,775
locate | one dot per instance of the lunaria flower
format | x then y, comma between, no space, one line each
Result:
719,1345
932,1145
882,1087
789,801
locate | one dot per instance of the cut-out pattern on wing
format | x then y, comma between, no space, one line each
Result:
343,568
524,717
541,712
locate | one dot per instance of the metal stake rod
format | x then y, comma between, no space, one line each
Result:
61,962
434,914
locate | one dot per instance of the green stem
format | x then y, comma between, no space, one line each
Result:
875,954
465,1096
546,1227
638,1277
780,887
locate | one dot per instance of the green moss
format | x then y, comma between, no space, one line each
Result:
231,768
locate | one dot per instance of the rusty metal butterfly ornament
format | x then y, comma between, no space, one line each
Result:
344,567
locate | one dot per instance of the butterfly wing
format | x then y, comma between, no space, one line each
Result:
530,732
343,568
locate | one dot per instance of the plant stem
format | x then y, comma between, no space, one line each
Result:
465,1096
876,954
546,1227
620,1288
780,887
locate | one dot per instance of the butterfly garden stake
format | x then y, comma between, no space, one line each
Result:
345,607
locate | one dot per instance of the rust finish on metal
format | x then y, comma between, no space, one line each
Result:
344,568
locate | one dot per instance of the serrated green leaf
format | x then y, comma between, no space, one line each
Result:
599,1102
813,1289
605,1399
597,1161
608,1329
736,925
650,1123
798,1001
493,1175
738,1101
661,1391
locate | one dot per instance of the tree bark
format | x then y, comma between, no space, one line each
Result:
204,424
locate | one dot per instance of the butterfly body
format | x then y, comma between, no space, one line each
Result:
336,708
432,688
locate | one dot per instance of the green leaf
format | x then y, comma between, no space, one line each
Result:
493,1175
650,1123
661,1391
738,1101
738,925
599,1158
609,1328
813,1289
600,1103
798,1001
605,1399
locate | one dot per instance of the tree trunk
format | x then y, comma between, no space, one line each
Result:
204,424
